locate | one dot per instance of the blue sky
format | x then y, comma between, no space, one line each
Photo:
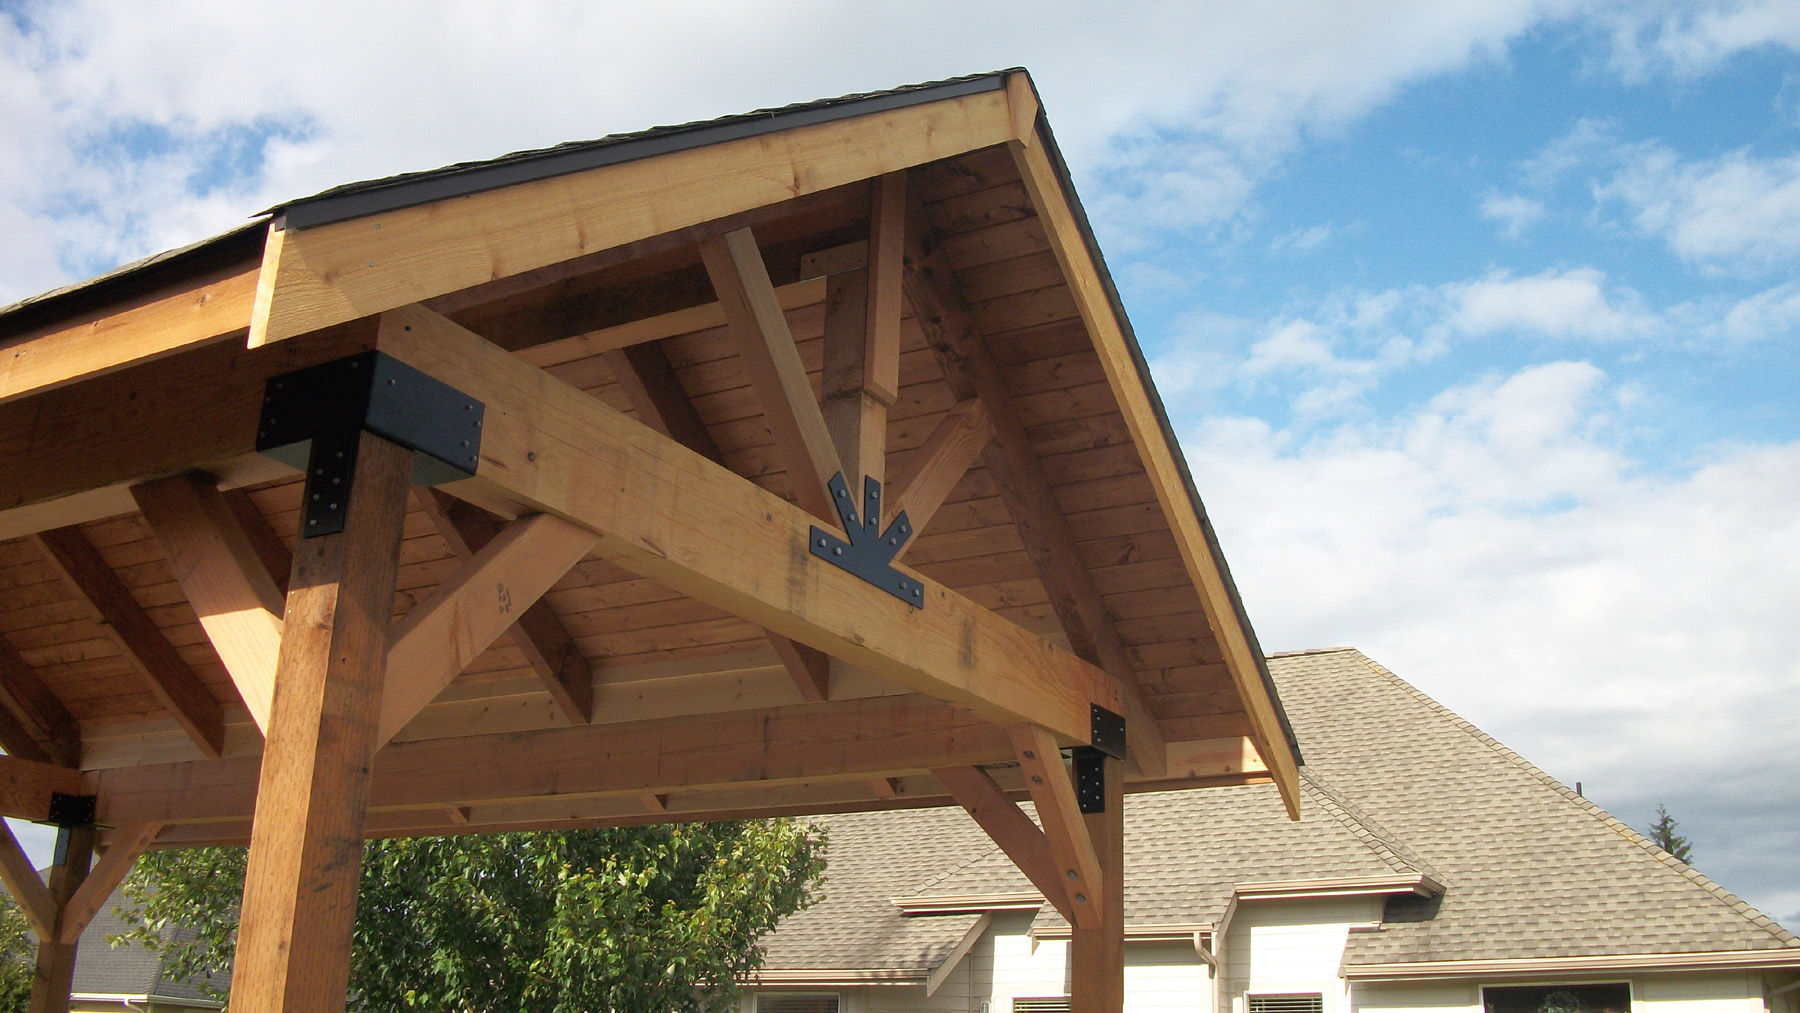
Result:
1478,321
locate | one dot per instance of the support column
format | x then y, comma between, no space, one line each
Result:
54,976
1097,955
306,843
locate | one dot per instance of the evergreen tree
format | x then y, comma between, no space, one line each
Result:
637,918
1662,834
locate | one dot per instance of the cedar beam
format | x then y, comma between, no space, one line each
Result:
471,609
1047,778
539,633
669,514
277,559
128,842
26,787
851,740
1018,474
53,978
935,468
306,843
656,395
766,346
1097,953
112,605
41,724
977,792
225,578
28,890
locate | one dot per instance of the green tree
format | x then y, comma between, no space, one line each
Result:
640,918
1662,834
18,956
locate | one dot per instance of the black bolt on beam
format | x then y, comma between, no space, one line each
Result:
312,417
1107,733
71,810
869,550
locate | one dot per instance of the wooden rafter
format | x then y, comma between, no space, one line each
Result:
225,578
110,603
40,727
1194,537
669,514
766,347
471,609
538,632
1013,464
656,395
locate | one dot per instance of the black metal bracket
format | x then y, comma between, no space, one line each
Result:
869,550
1107,733
312,418
71,810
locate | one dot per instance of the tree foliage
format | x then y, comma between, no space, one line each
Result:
1662,834
18,956
640,918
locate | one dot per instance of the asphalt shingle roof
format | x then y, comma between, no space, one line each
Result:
1395,784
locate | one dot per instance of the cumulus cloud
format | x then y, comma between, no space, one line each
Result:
1562,304
1692,39
1629,630
1737,210
1514,212
1179,109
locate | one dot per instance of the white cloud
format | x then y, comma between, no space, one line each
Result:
1514,212
1737,210
1182,108
1494,547
1562,304
1300,240
1692,39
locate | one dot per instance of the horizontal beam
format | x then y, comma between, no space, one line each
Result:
210,307
334,273
71,455
668,513
852,740
26,787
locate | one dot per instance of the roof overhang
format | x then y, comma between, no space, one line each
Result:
1417,884
1600,963
964,904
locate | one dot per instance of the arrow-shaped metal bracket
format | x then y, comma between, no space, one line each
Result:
869,549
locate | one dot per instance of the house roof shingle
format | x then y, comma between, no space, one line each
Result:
1395,784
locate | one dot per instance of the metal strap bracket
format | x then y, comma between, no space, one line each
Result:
869,550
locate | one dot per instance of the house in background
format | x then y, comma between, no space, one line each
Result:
131,977
1433,870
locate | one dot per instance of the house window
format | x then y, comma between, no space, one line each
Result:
1293,1002
797,1002
1043,1004
1611,998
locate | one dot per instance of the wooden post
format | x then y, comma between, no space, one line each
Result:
306,843
1097,955
54,976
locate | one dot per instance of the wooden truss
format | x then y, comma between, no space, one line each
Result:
620,605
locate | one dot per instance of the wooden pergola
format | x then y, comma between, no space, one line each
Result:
788,463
